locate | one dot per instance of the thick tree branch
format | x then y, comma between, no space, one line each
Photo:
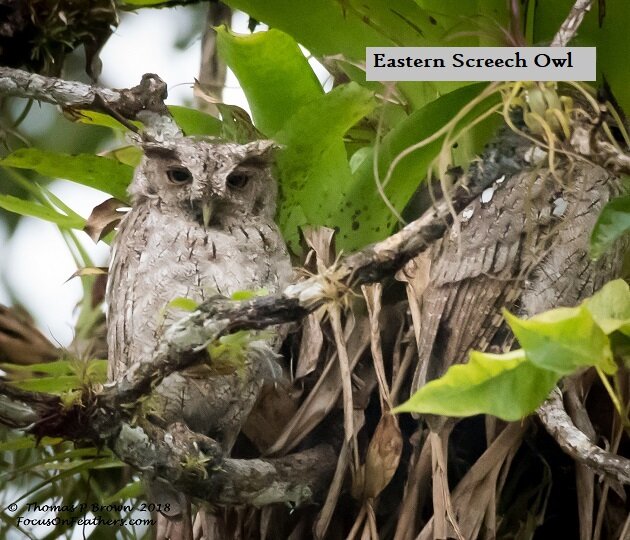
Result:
190,462
575,443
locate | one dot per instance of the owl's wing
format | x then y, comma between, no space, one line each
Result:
478,268
123,275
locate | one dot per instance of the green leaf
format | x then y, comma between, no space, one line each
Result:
248,295
610,307
508,386
58,367
92,118
185,304
194,122
191,121
341,31
98,172
129,155
21,443
50,385
264,63
563,340
316,181
612,223
130,491
332,27
144,2
33,209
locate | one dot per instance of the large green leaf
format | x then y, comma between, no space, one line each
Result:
30,208
612,223
507,386
274,74
346,28
563,340
329,27
101,173
314,171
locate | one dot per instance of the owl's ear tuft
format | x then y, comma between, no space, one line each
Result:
261,151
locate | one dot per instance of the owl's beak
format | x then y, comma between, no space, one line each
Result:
206,213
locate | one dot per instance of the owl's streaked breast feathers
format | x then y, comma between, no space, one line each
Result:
201,224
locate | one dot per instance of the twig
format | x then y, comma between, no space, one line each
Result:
575,443
569,27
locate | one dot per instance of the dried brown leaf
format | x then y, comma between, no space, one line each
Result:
89,271
416,489
325,515
104,218
324,395
345,370
21,342
416,274
372,294
474,494
275,407
383,456
321,242
311,344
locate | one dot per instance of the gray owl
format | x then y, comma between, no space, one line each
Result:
201,224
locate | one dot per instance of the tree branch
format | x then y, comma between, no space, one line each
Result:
575,443
569,27
144,102
189,461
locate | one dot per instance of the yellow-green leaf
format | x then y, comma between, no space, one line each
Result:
508,386
563,340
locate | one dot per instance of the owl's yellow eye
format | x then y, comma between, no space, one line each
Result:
179,175
237,180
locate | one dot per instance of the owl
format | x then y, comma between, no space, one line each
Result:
201,224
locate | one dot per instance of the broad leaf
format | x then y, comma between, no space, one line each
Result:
316,182
273,73
97,172
563,340
508,386
93,118
612,223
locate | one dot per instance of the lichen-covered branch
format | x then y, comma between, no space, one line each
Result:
148,95
189,461
575,443
144,102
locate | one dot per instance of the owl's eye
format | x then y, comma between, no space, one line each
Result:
179,175
237,180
